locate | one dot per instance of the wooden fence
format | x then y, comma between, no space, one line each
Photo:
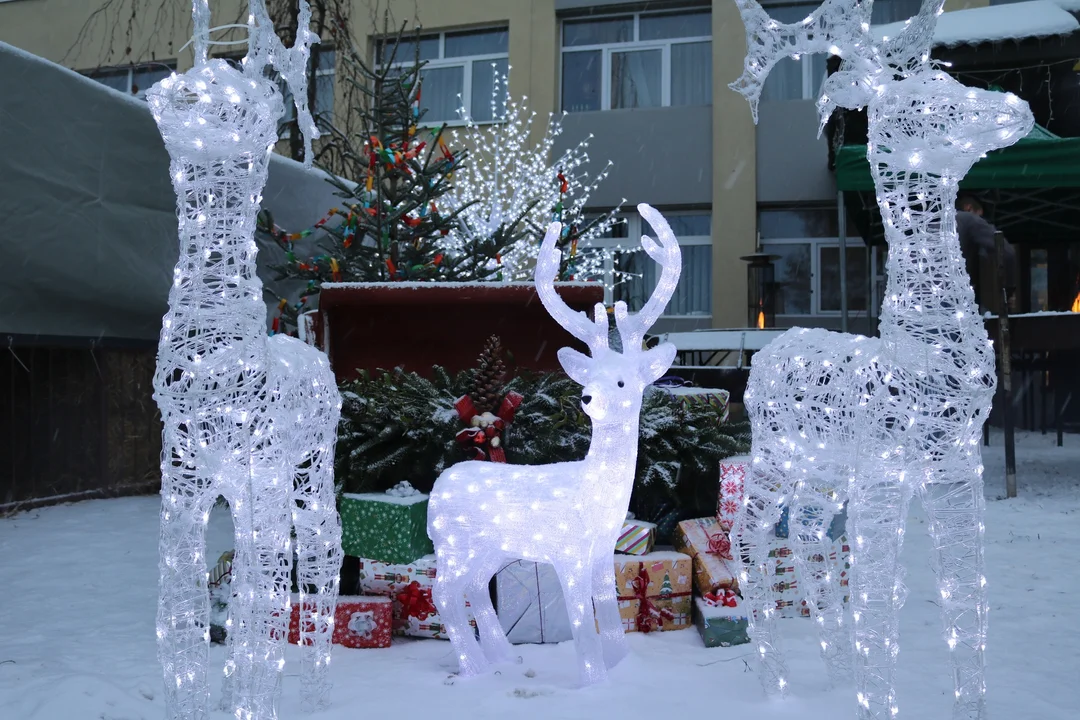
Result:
77,421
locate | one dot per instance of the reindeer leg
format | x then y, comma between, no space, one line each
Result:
183,619
821,587
492,638
318,548
955,511
877,513
449,596
606,606
574,576
259,619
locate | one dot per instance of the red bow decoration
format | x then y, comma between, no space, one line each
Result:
649,616
486,442
724,597
415,603
720,544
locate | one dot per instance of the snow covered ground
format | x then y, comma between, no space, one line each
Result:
77,629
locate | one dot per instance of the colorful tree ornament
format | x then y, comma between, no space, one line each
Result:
872,421
570,514
246,417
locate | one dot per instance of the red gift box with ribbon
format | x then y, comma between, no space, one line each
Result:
654,591
359,621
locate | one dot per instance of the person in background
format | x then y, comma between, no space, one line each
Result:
977,241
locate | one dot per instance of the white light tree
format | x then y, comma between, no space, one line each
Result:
513,188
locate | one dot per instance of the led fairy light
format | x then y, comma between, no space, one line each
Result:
512,184
569,514
247,417
840,417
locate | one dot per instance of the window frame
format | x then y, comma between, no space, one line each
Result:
635,228
816,244
130,71
606,50
465,62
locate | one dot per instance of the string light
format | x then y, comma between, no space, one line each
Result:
569,514
245,417
895,415
514,186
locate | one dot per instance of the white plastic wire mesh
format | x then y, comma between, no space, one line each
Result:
246,417
569,514
840,417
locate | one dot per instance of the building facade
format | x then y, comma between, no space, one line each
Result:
648,80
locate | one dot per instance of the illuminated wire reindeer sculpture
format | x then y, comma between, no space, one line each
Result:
840,417
568,514
247,417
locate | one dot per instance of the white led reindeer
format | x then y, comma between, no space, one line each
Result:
247,417
482,514
840,417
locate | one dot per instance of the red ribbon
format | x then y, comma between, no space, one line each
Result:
720,544
649,616
415,602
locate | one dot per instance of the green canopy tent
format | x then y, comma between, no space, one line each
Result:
1039,160
1035,186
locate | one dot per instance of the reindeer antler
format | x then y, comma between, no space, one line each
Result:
632,328
838,27
595,333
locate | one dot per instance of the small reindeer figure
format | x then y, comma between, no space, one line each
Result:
482,514
873,421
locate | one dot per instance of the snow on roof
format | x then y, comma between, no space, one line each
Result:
997,22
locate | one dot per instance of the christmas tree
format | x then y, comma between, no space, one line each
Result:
665,587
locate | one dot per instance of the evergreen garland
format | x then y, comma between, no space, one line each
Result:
398,425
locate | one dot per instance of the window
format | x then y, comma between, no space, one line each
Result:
460,69
808,265
638,60
632,276
890,11
792,79
136,79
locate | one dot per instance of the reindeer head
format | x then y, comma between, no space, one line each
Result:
612,382
842,28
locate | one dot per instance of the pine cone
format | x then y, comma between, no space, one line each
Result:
488,377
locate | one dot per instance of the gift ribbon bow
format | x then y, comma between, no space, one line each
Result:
415,603
724,597
720,544
479,440
649,616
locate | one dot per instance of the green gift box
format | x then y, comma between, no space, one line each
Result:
720,626
385,528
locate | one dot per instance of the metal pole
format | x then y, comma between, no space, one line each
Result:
1006,369
841,227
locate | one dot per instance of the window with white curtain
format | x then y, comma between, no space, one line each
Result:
134,79
632,276
792,79
637,60
806,243
460,69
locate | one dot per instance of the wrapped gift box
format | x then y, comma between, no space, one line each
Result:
790,599
721,620
654,591
637,537
530,603
385,528
408,585
359,621
708,543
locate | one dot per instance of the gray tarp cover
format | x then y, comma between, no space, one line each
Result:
88,233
